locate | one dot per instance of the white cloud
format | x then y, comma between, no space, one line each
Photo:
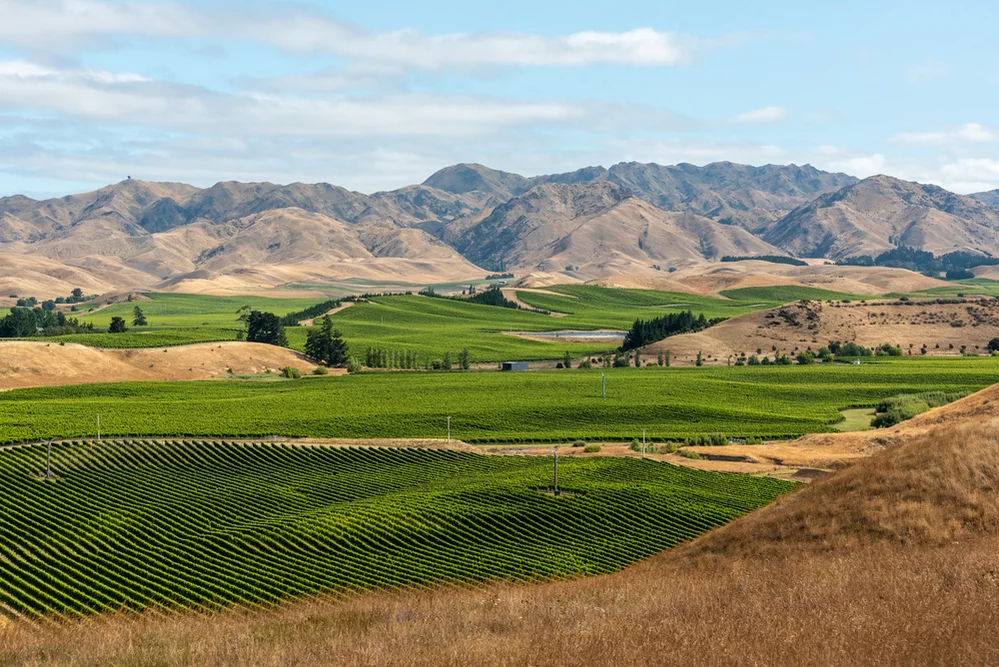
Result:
55,25
970,175
764,115
968,133
131,99
860,166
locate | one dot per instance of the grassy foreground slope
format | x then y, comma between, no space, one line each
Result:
197,525
774,401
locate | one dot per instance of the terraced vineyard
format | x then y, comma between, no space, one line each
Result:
205,525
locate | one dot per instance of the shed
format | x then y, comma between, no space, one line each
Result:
514,366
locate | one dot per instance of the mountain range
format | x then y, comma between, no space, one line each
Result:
468,218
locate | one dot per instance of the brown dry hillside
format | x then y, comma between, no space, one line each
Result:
943,327
890,562
37,364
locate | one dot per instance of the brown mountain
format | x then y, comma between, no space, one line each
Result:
880,213
990,198
598,229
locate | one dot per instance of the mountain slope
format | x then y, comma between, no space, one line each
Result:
598,228
880,213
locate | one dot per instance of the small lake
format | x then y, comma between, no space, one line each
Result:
576,335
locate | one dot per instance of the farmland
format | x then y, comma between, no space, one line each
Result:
205,525
761,401
429,327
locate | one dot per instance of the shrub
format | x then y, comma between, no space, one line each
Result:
578,443
636,446
585,363
690,455
353,365
291,372
320,370
591,449
671,448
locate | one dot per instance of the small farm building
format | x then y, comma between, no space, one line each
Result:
514,365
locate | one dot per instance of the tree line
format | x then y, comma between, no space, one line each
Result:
645,332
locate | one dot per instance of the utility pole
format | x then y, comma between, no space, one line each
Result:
449,430
555,458
98,427
643,443
603,386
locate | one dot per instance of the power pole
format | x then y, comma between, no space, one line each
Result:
449,430
643,443
603,386
98,427
555,458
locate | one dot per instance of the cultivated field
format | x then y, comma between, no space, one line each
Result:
553,406
430,327
144,526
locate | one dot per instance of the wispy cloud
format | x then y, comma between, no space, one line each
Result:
58,25
968,133
132,99
764,115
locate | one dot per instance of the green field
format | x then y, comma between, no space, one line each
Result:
432,327
774,401
207,525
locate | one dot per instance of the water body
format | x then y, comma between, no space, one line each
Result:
576,335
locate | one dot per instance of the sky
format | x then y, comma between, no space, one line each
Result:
379,94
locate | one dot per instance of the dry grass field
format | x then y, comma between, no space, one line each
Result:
944,328
892,561
39,364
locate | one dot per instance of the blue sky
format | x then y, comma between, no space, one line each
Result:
376,95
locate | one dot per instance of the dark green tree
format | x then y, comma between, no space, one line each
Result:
117,325
465,359
265,328
138,317
326,345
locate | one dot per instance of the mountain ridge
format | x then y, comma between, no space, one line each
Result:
469,218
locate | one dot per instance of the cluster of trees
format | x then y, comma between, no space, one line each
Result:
77,296
25,322
326,345
775,259
955,264
310,313
493,296
407,359
262,327
644,332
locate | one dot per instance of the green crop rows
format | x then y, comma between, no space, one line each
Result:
774,401
207,525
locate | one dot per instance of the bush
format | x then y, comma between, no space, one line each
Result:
636,446
578,443
710,440
891,411
690,455
585,363
353,365
320,370
671,448
291,372
591,449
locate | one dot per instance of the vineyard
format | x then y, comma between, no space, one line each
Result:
206,525
671,403
429,327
